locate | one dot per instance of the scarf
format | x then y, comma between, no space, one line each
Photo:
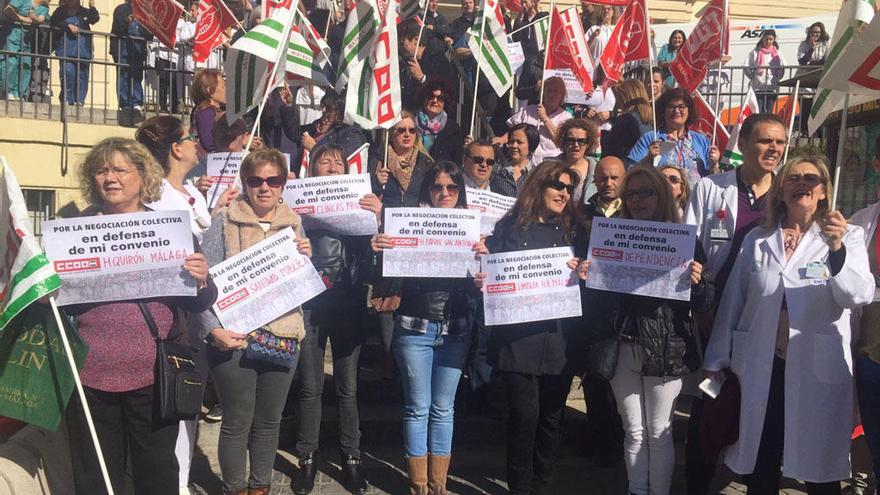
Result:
242,230
765,57
429,127
402,168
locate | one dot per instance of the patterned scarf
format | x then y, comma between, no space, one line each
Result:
402,168
429,127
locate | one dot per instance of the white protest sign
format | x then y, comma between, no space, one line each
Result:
574,91
644,258
517,57
431,242
533,285
222,169
331,203
492,207
263,282
119,257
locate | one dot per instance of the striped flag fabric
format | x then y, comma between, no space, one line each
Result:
490,46
357,161
732,157
361,29
314,39
302,66
410,8
268,7
542,31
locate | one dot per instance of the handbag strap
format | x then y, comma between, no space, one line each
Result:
150,322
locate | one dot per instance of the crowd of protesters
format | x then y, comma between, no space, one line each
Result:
781,285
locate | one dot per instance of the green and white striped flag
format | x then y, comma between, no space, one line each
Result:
302,62
314,39
410,8
732,157
490,46
853,14
361,30
250,63
25,273
542,28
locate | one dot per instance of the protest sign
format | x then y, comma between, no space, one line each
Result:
263,282
533,285
119,257
431,242
517,57
331,203
223,169
644,258
492,207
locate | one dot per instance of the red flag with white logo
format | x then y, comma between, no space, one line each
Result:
703,46
159,17
628,42
564,52
357,162
706,120
213,19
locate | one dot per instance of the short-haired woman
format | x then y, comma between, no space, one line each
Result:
252,390
431,343
120,176
783,328
522,141
578,138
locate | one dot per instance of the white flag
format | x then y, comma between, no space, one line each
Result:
732,157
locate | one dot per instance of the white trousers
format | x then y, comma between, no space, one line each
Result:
646,405
186,443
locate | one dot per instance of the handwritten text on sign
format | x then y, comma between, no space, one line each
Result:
223,168
431,242
644,258
119,257
491,206
263,283
533,285
331,203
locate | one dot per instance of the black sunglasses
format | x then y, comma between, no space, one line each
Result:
578,141
640,193
559,186
450,188
478,160
401,130
274,181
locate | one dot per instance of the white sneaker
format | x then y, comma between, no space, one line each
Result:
138,108
13,98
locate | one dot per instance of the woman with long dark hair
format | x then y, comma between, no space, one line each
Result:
766,69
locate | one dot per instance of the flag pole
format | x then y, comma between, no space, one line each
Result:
479,59
546,51
421,30
797,87
385,161
651,74
82,395
510,34
838,164
720,61
228,11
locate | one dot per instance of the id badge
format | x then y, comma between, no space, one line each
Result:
817,270
719,233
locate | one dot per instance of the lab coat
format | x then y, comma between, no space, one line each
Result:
711,194
818,373
865,218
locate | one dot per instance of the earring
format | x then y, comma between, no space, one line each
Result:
280,200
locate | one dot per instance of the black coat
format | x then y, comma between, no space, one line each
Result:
548,347
345,265
449,144
626,129
394,196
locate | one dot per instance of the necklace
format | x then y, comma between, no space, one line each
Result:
790,240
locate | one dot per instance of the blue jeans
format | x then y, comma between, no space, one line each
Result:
868,385
75,81
430,368
129,81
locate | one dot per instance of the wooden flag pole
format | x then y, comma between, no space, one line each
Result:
82,395
421,30
838,163
477,78
797,87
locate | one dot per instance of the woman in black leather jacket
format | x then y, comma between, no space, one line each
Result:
431,343
538,359
657,346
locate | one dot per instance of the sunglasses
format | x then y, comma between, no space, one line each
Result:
577,141
440,98
451,189
192,136
558,185
673,179
479,160
404,130
639,193
275,181
810,179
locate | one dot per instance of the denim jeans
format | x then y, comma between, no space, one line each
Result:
868,385
75,81
130,81
430,368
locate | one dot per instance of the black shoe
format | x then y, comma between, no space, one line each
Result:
305,479
214,414
352,478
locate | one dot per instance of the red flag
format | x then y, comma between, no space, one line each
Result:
789,110
702,47
268,6
706,120
628,42
513,6
213,18
159,17
613,3
564,54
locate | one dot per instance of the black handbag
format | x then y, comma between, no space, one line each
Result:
178,386
601,358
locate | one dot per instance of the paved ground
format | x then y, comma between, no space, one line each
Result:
478,452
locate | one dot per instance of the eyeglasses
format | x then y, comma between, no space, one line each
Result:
479,160
116,171
811,179
673,179
639,193
403,130
677,108
815,32
451,189
558,185
577,141
274,181
192,136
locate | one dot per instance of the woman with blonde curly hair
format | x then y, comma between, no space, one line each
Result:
119,176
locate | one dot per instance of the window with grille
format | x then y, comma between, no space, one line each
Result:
40,206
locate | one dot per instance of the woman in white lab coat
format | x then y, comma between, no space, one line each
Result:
783,328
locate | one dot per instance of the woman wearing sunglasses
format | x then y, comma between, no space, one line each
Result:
252,389
536,360
440,135
681,190
783,328
431,343
577,138
657,346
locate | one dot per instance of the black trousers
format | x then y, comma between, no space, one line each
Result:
127,423
768,473
536,405
699,468
168,76
604,426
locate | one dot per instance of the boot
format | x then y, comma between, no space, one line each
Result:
305,479
417,469
353,479
438,467
259,491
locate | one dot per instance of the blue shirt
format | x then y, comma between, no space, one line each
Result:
691,153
